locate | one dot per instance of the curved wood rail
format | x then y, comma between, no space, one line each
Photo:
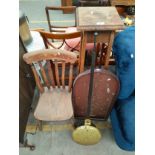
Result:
50,54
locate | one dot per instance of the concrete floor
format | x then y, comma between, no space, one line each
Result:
35,11
59,142
56,138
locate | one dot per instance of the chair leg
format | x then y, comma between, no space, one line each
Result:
32,147
39,124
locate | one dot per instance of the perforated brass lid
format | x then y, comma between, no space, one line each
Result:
86,134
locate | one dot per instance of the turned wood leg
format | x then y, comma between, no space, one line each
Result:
107,57
39,124
82,54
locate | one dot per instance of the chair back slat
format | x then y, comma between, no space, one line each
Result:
70,77
63,75
57,73
43,73
66,9
61,36
37,79
50,73
61,41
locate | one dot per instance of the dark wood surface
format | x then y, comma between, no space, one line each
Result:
98,19
26,90
103,20
105,91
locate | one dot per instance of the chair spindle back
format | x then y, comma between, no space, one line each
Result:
46,74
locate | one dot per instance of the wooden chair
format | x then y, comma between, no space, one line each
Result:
55,95
65,10
62,40
71,41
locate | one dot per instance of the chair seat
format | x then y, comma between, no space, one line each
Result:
54,105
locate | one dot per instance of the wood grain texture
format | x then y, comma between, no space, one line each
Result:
53,101
103,20
98,19
49,54
54,105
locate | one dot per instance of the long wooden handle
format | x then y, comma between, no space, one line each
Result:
91,77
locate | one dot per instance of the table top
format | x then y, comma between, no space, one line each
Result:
98,19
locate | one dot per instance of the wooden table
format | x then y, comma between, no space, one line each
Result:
105,21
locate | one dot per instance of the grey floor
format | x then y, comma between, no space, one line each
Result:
59,142
35,11
57,138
